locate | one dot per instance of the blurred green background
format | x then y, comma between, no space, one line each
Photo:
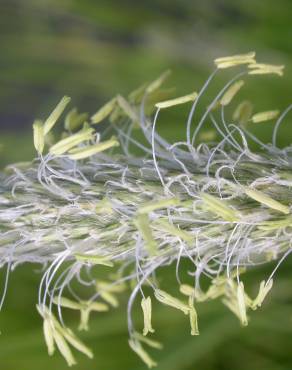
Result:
90,50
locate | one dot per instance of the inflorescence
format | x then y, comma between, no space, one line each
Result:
87,200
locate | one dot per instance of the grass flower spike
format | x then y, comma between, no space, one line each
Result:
88,206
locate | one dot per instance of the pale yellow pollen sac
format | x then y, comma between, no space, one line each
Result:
74,120
237,300
150,342
265,116
57,334
187,290
104,111
177,101
136,95
139,350
231,92
171,301
263,292
38,136
146,305
214,106
193,317
235,60
214,291
85,308
243,112
68,143
84,320
242,304
110,286
88,151
266,200
207,135
127,108
107,291
64,349
55,115
77,343
66,302
260,69
49,337
109,298
155,85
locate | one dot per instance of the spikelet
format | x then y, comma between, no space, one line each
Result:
266,200
219,207
173,230
275,224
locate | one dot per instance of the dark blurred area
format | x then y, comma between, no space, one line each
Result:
91,50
